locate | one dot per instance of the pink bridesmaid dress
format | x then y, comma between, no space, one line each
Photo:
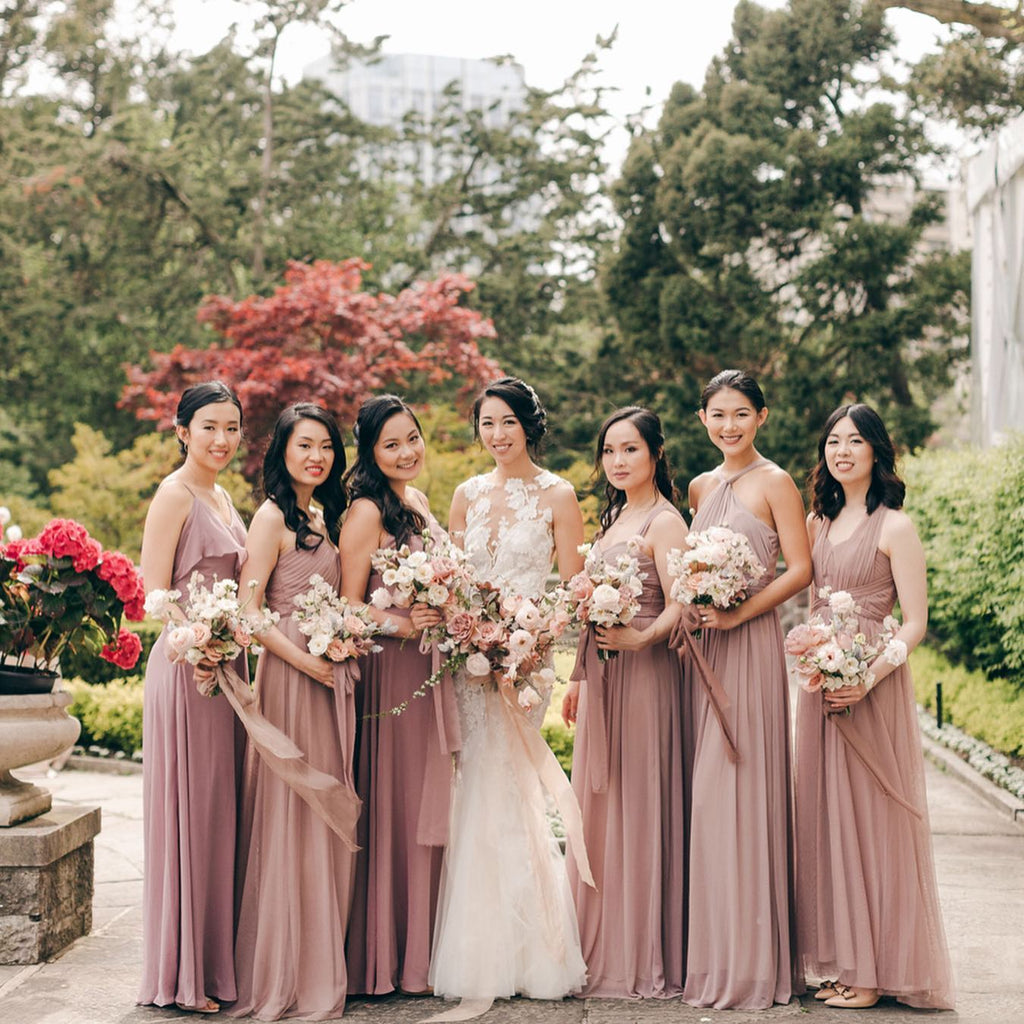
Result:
403,776
628,775
867,909
296,874
194,747
740,951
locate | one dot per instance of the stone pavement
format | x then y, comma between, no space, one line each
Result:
979,853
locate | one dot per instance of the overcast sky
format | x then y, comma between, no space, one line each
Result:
659,42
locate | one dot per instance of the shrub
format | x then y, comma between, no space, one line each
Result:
111,714
991,710
968,506
559,739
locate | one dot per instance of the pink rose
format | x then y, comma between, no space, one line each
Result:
242,637
478,665
201,633
801,639
354,625
487,635
460,626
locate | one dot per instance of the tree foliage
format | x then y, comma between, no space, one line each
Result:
751,239
321,337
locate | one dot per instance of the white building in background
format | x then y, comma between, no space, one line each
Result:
995,205
384,90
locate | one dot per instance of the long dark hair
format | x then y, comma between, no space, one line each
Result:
827,497
649,426
525,405
365,479
734,380
277,484
195,397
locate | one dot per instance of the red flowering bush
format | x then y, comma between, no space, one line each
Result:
61,590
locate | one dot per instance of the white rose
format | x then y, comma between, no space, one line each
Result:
437,594
404,576
424,573
605,598
478,665
381,598
318,644
544,677
416,559
390,577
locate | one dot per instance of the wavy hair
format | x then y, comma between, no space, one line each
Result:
195,397
649,426
525,405
365,479
277,483
886,488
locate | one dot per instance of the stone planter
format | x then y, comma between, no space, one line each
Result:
33,727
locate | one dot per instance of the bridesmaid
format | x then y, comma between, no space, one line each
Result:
628,759
403,763
740,949
193,743
867,907
297,888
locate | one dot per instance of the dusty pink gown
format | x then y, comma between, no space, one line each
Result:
740,951
194,747
403,776
296,874
628,776
868,911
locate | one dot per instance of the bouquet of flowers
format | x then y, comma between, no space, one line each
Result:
717,567
507,637
437,576
213,625
61,590
604,593
336,629
831,655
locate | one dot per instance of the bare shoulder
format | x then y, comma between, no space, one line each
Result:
268,516
700,486
563,494
668,526
363,512
813,522
172,498
777,481
897,529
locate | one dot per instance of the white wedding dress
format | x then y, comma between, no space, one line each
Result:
506,923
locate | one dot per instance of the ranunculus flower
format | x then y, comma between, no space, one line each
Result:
528,616
528,698
478,665
520,643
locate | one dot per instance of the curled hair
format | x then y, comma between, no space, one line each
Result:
195,397
525,406
277,483
648,425
886,488
734,380
365,479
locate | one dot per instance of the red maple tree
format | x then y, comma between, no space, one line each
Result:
321,338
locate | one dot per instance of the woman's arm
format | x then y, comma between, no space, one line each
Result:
268,538
457,516
164,522
667,531
567,526
899,540
787,508
361,536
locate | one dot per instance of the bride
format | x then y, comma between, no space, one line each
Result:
506,924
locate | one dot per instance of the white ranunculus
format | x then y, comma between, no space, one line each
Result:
478,665
528,698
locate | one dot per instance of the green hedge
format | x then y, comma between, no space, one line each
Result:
968,506
110,713
991,710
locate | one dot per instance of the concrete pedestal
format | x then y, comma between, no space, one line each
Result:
46,883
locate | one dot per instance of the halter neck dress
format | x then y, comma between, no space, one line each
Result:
740,951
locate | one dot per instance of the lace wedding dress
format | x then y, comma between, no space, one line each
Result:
506,923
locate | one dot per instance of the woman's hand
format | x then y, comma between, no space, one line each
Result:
718,618
571,702
838,701
423,617
621,638
319,669
689,617
203,672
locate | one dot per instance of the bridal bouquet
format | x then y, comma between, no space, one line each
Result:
604,593
334,628
837,653
508,637
212,626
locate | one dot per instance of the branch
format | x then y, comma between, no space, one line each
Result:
990,20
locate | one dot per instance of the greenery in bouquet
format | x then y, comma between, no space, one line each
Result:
60,591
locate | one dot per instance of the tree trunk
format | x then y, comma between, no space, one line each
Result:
991,20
